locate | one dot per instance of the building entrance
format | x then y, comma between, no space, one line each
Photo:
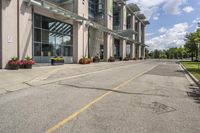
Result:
51,38
96,43
116,49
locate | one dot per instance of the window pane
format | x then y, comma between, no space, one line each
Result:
37,35
59,42
68,30
68,51
37,21
48,23
47,50
67,40
37,49
48,37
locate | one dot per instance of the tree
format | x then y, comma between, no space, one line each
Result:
171,53
147,53
191,45
156,54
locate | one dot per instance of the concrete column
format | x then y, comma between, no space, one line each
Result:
109,14
139,31
123,22
133,47
108,46
25,31
108,39
139,51
144,52
9,39
123,17
123,48
143,34
80,32
133,51
133,25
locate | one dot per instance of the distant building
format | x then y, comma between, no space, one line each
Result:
72,29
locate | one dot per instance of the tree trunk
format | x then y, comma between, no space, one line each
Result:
197,54
192,56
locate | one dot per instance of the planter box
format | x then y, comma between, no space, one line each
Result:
57,62
13,67
27,66
96,60
111,60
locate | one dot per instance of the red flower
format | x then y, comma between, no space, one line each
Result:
29,62
11,62
21,62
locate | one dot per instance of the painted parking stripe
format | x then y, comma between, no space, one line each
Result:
66,120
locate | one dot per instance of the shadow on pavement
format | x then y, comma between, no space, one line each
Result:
194,93
116,91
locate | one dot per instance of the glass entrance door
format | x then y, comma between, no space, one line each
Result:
116,49
101,52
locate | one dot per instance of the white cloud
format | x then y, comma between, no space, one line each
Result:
156,16
173,37
162,30
188,9
151,7
149,34
173,7
195,21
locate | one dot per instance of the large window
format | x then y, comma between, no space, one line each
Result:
51,37
96,9
116,16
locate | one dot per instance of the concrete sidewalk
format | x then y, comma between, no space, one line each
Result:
12,80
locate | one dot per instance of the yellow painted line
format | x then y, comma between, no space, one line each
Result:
66,120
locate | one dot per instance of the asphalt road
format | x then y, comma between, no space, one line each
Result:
137,97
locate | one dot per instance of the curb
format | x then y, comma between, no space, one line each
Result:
191,76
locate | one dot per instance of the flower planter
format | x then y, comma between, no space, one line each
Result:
28,66
26,63
57,62
13,64
126,59
96,59
84,61
111,59
13,67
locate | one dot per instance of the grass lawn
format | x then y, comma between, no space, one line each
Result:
192,67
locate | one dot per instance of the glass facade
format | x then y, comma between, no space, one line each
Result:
96,9
116,16
51,37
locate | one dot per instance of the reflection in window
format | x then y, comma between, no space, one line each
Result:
37,49
68,51
47,50
67,40
37,35
52,37
37,21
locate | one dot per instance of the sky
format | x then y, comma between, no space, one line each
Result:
170,21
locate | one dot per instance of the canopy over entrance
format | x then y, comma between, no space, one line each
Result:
54,8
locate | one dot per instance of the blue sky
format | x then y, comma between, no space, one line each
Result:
170,21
